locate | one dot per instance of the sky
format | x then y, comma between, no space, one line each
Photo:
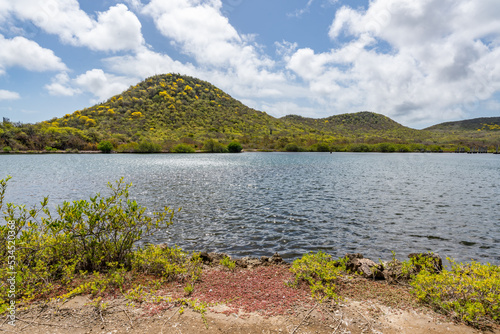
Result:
419,62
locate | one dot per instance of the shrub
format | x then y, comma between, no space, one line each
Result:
7,149
386,147
321,272
105,146
469,292
234,147
322,147
291,147
183,148
226,262
148,147
127,148
166,262
213,146
88,235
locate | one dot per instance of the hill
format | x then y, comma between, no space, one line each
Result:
171,109
484,123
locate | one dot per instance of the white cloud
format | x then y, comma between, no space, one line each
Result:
114,30
146,63
21,52
102,85
414,61
8,95
61,86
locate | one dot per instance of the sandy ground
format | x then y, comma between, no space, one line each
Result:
76,316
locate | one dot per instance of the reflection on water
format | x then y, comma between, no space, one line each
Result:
291,203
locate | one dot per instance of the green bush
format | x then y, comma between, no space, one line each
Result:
213,146
169,263
322,147
148,147
386,147
321,272
7,149
226,262
183,148
291,147
128,147
469,292
105,146
360,148
234,147
85,235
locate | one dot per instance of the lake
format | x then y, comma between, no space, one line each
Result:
291,203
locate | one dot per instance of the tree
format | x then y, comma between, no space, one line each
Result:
105,146
234,147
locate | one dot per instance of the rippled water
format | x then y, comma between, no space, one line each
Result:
291,203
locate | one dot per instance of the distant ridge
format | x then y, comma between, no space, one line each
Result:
483,123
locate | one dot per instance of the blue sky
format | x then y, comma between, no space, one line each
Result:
420,62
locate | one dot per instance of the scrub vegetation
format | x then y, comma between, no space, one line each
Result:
164,111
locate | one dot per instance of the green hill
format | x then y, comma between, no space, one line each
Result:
171,109
484,123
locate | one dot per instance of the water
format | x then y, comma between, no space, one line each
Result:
292,203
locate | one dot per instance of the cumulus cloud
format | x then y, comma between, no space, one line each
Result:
412,60
61,86
145,63
114,30
102,85
8,95
21,52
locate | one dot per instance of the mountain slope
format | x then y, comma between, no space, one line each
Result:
171,109
484,123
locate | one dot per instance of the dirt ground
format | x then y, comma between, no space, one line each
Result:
76,316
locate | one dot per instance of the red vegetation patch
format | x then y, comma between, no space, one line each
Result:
263,290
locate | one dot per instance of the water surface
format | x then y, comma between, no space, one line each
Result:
291,203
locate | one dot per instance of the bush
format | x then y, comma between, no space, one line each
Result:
183,148
128,147
292,147
322,147
226,262
386,147
234,147
321,272
469,292
360,148
88,235
105,146
7,149
213,146
169,263
148,147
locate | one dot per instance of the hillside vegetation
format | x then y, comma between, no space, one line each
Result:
179,114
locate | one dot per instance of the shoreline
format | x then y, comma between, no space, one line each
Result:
255,297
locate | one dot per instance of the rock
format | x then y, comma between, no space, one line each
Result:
365,267
369,269
434,260
393,272
216,257
352,264
205,258
251,263
276,259
264,259
241,263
